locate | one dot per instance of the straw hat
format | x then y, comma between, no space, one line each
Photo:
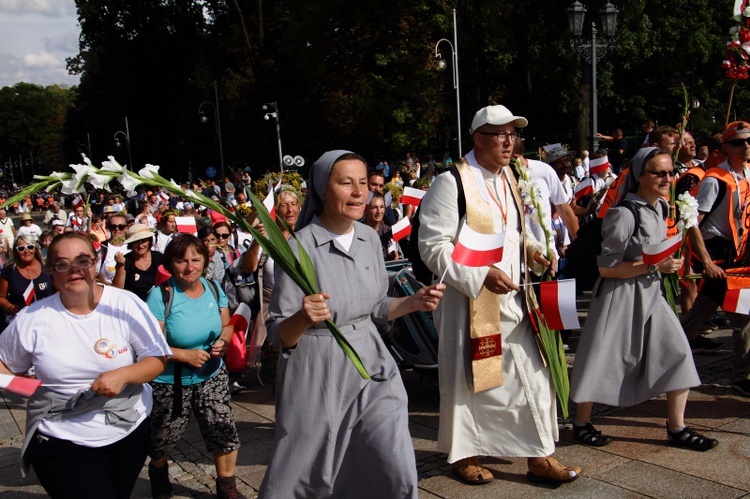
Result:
137,232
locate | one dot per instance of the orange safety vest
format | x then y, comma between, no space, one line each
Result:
614,194
739,235
699,172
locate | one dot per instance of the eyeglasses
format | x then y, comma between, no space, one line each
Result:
738,142
662,174
118,226
503,136
223,236
28,247
81,263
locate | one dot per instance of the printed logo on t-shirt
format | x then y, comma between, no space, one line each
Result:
107,349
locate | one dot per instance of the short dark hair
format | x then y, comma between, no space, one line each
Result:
178,248
66,236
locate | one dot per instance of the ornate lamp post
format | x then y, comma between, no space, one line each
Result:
126,136
442,64
273,112
591,50
217,123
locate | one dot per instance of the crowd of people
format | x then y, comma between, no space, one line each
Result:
116,310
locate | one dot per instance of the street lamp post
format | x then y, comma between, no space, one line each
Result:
126,136
273,112
591,50
454,59
217,123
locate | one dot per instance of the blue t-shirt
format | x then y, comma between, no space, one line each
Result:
193,323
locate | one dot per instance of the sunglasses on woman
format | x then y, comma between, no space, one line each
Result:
662,174
223,236
28,247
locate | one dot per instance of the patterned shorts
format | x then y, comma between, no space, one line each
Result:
209,401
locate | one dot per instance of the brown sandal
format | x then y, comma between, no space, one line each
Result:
471,472
552,472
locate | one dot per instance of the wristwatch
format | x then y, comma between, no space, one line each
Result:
651,269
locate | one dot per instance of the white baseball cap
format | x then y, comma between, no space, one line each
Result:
496,115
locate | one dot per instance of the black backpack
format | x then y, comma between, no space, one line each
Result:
581,262
420,270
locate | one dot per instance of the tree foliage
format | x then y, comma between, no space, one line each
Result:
363,76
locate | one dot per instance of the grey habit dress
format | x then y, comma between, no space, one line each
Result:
632,346
338,435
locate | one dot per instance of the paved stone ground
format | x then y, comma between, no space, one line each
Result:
639,463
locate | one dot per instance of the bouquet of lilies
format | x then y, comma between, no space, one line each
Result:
551,340
275,245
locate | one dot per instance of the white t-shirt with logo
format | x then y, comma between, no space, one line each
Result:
69,351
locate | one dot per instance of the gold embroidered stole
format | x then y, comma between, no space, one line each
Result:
484,312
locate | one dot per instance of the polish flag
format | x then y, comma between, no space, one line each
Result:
401,229
737,298
599,165
478,250
164,196
237,350
186,225
585,188
558,303
412,196
78,201
162,275
29,294
20,385
657,253
269,204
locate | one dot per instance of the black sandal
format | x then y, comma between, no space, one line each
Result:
590,436
691,439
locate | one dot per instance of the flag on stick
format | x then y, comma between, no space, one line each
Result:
236,350
186,225
412,196
737,297
558,303
29,294
478,250
585,188
19,385
401,229
657,253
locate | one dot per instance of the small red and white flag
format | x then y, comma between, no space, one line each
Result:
584,188
478,250
558,301
401,229
78,201
737,298
237,349
20,385
29,294
657,253
412,196
164,196
270,206
599,165
186,225
162,275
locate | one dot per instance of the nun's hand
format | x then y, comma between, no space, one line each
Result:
315,308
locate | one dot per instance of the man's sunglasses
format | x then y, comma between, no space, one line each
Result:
118,226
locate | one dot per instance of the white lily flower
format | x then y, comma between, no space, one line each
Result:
192,195
171,180
129,183
72,186
87,160
99,181
148,171
112,165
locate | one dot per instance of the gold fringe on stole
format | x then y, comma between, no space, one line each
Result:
484,312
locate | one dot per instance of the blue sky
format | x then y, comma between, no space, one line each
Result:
35,38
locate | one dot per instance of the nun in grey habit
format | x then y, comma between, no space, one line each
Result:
337,434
